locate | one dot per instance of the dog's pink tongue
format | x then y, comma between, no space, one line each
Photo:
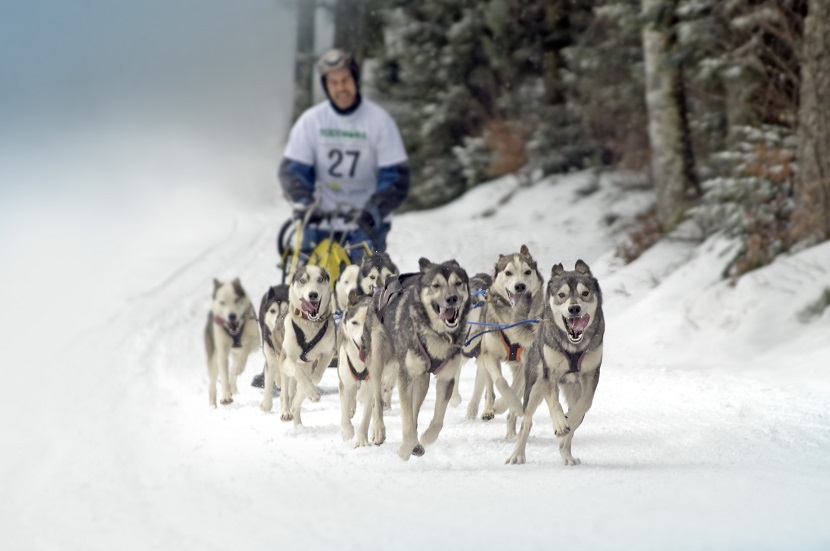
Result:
307,306
579,324
362,354
447,314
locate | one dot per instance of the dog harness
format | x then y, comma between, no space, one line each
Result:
307,346
358,375
574,363
514,351
236,337
434,365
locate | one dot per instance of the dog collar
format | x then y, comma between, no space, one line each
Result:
304,315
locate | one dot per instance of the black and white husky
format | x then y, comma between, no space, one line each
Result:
424,315
369,274
231,334
273,309
566,354
309,341
515,299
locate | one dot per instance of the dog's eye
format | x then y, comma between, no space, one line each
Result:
508,273
436,285
373,277
302,281
561,295
354,322
320,280
221,303
584,293
527,272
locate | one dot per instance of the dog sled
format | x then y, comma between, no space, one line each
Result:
331,253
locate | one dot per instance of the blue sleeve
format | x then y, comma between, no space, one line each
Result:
297,181
392,188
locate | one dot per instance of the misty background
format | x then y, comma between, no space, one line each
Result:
122,123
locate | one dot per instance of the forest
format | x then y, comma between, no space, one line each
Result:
715,105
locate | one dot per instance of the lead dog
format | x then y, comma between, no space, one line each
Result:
516,295
566,354
363,345
424,315
231,334
309,342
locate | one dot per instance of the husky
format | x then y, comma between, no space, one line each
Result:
272,312
516,295
479,284
231,333
363,345
566,354
424,315
370,274
309,341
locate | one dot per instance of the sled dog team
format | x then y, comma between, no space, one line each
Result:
402,329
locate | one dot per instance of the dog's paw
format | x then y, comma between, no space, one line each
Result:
430,435
361,441
561,428
266,405
404,451
226,401
571,460
286,417
348,431
510,434
472,411
488,416
455,401
387,404
313,394
378,434
516,459
418,450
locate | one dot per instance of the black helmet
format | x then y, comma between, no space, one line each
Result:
338,59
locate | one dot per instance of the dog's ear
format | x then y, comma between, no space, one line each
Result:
237,288
272,293
524,250
582,268
216,284
557,270
343,266
424,263
353,297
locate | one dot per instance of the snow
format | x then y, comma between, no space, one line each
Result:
709,430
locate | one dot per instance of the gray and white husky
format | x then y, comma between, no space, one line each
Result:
231,334
363,345
273,308
424,315
566,354
516,295
369,274
309,341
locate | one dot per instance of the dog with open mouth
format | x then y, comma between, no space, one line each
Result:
360,369
514,299
566,354
231,335
309,341
424,315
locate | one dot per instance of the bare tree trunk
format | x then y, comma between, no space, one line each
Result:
811,216
304,60
350,20
671,152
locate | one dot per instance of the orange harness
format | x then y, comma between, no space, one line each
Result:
514,351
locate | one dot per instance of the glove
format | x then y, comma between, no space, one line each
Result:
368,218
